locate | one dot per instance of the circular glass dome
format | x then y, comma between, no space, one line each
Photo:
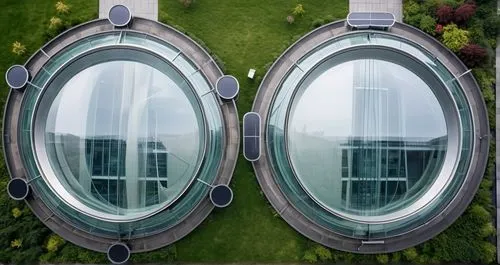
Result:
119,131
124,138
367,138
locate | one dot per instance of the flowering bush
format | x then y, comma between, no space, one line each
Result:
445,14
439,29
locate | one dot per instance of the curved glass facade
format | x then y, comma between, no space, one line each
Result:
360,140
366,137
121,124
107,129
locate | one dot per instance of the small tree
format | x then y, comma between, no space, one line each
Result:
464,13
18,48
455,38
298,10
62,8
473,55
445,14
290,19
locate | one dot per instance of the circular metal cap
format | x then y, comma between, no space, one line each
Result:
118,253
18,189
119,15
227,87
221,196
17,76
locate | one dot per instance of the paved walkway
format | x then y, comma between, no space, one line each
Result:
393,6
139,8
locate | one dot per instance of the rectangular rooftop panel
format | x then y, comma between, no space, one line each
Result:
251,148
374,20
251,136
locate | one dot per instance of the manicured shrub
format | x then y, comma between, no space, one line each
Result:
298,10
473,55
318,23
444,14
383,259
396,257
410,254
16,212
18,48
310,256
428,24
54,243
412,13
464,13
16,243
322,253
455,38
55,23
62,8
491,26
290,19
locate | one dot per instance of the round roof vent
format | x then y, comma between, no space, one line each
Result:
227,87
18,189
17,76
118,253
119,15
221,196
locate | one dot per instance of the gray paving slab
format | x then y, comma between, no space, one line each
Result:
139,8
393,6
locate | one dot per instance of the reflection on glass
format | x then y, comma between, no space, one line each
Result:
124,137
366,137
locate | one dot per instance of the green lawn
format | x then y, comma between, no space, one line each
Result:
245,34
26,21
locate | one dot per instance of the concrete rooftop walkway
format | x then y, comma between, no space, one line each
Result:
139,8
393,6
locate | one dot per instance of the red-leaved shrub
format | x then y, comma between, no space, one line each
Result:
445,14
464,13
473,55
